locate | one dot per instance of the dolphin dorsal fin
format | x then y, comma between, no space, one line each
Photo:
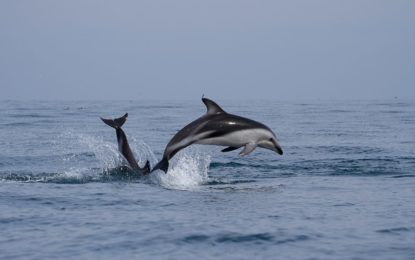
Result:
212,107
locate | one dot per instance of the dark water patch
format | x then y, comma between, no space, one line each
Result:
274,217
238,238
404,176
119,174
391,111
330,133
230,238
152,107
397,230
10,220
388,104
44,121
237,165
367,167
294,239
18,177
214,165
340,111
165,106
196,238
58,178
241,238
353,167
17,124
343,149
347,204
31,115
227,182
248,189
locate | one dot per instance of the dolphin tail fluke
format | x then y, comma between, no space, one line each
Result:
162,165
115,123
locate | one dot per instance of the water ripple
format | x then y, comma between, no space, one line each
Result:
396,230
238,238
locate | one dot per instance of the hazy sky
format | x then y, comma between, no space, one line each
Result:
311,49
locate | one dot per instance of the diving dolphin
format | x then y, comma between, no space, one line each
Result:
217,127
123,145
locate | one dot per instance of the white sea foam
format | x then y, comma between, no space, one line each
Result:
73,175
188,170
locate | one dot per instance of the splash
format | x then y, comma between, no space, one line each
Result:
106,153
187,172
142,151
83,158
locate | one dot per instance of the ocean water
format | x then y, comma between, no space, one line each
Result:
344,188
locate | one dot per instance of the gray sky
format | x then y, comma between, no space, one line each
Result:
311,49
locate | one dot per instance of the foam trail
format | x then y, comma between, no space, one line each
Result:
72,176
187,172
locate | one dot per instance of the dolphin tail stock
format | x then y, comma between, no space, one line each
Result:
146,168
117,122
162,165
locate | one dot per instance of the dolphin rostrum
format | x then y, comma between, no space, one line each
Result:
124,147
217,127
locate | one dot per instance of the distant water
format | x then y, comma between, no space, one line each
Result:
344,188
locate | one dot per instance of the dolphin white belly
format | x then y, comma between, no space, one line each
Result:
235,139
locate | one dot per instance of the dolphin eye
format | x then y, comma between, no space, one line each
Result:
270,139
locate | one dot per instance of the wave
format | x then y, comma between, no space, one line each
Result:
374,166
77,158
31,115
396,230
232,238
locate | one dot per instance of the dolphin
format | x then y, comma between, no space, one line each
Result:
217,127
124,147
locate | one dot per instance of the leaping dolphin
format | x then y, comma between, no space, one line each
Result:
124,147
217,127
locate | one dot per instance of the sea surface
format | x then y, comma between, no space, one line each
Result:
344,188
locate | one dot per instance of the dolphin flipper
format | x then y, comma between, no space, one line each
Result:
249,147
